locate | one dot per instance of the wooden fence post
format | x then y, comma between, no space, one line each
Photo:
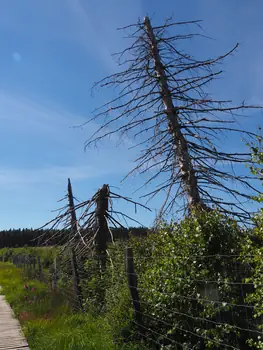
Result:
20,261
25,262
74,265
30,264
50,281
55,274
132,284
76,280
40,270
34,265
17,260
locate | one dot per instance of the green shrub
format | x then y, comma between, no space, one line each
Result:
252,256
190,280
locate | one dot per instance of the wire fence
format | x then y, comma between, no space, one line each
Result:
156,299
208,315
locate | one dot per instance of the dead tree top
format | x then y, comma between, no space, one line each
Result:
88,216
138,112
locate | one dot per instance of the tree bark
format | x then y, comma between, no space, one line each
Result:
181,153
102,230
74,227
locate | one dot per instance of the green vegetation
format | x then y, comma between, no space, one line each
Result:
69,332
200,285
46,317
190,283
46,254
197,282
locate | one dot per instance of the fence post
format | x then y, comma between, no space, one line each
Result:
55,273
34,266
20,261
74,265
132,284
40,270
30,264
17,260
50,281
76,280
25,262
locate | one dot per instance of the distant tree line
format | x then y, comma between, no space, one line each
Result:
34,237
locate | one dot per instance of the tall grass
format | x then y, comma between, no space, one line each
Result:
74,332
47,320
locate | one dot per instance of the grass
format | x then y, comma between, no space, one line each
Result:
47,319
69,332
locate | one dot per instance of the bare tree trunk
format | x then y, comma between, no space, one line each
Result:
181,153
102,230
74,227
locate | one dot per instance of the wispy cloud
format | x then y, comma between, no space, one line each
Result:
30,116
61,148
55,175
52,121
86,33
96,29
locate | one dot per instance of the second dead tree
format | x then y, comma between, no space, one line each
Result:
74,265
101,225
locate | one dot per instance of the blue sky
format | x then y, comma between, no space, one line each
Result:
53,51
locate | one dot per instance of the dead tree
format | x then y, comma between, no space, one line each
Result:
180,145
92,225
101,225
75,229
164,105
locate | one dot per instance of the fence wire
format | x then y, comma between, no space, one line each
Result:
159,317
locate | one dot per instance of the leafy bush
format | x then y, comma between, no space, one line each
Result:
190,279
252,247
252,256
200,286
